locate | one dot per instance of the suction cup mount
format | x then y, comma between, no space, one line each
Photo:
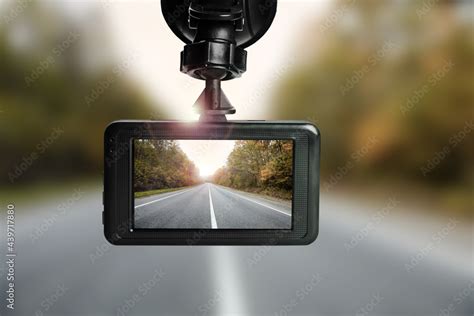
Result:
216,33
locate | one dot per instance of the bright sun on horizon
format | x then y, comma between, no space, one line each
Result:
207,155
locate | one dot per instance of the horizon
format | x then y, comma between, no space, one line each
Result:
207,155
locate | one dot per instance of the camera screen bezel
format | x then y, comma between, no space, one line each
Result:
118,178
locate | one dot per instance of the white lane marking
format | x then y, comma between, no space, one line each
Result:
213,215
229,281
277,210
166,197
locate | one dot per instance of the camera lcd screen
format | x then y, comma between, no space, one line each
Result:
212,184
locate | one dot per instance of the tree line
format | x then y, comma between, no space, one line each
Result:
161,164
259,166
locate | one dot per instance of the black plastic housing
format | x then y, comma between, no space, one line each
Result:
118,191
259,15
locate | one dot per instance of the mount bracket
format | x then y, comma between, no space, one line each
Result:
216,33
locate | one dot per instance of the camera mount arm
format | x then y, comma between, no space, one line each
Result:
216,33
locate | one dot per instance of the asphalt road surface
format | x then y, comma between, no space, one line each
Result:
64,266
211,206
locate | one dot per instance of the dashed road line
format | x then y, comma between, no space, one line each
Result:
213,215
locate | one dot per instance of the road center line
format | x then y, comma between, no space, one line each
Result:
213,215
245,198
166,197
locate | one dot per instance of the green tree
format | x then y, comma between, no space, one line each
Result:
161,164
260,166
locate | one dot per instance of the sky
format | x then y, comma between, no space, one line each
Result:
207,155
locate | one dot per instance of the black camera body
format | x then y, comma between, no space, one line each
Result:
212,182
206,211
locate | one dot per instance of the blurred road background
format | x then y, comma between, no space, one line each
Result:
390,86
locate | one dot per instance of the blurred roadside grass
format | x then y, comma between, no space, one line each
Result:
48,191
413,197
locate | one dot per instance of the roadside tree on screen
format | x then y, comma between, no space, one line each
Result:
161,164
259,166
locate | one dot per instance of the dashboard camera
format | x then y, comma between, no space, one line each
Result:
193,183
212,182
